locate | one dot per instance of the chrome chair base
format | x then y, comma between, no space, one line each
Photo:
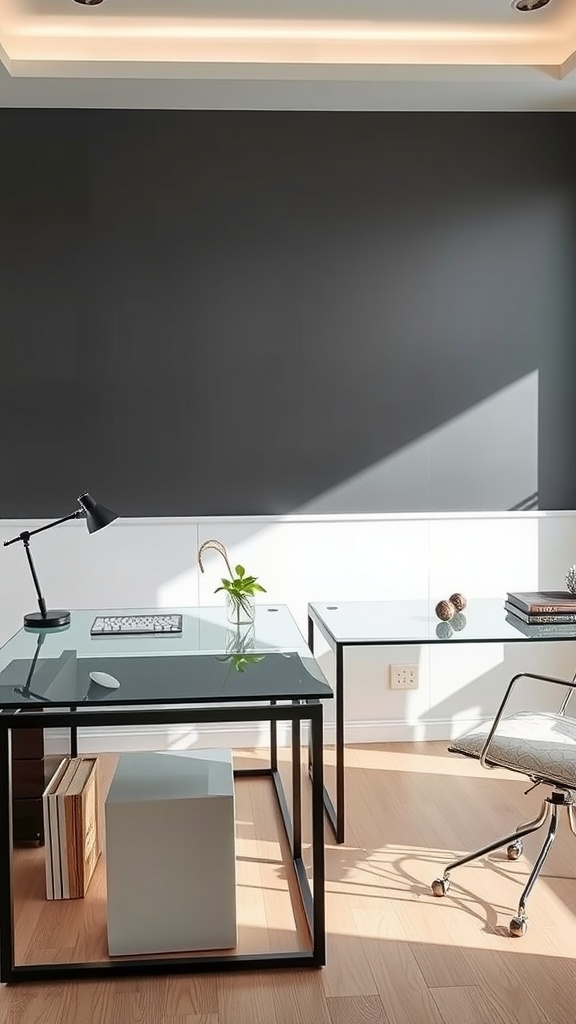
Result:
548,812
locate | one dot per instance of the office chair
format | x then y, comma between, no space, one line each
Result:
541,745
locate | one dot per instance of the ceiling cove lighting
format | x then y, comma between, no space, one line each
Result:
524,5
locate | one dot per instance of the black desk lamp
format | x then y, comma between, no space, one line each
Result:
97,517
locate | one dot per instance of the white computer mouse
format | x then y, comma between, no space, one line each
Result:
104,679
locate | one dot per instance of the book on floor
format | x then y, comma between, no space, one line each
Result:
539,602
73,843
52,851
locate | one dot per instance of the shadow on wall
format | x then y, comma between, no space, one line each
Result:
484,459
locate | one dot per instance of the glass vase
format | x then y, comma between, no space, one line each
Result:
240,611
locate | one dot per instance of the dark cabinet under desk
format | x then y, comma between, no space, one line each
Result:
28,783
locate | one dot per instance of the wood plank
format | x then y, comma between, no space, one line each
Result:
247,998
284,919
401,985
357,1009
347,971
473,1003
250,902
192,996
192,1018
299,998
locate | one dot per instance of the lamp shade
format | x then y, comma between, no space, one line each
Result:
97,516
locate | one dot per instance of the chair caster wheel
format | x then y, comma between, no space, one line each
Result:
440,886
515,850
518,926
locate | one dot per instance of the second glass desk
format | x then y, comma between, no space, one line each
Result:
395,623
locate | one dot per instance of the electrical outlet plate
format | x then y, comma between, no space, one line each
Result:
403,677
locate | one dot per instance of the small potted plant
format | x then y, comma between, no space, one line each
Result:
238,586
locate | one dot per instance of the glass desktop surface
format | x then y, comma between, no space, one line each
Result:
205,630
51,668
415,622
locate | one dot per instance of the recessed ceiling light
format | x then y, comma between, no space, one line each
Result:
529,5
88,3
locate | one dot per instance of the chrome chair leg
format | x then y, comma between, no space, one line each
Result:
518,923
440,886
571,817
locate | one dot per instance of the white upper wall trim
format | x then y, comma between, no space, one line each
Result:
267,520
510,89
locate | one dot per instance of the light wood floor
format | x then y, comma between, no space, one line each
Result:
396,955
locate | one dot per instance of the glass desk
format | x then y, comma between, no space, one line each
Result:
166,679
379,623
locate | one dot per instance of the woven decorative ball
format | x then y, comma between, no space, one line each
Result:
459,602
444,631
444,610
571,579
458,621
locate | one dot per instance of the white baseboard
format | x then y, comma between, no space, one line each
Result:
404,731
158,737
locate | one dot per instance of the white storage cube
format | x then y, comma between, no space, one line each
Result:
170,852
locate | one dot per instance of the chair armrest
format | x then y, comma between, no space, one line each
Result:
569,684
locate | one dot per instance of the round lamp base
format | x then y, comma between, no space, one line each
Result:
54,617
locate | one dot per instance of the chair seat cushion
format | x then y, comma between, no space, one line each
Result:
542,745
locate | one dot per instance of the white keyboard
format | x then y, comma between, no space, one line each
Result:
125,625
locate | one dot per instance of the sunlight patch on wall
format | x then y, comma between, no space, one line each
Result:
485,459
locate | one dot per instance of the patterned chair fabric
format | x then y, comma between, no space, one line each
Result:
541,745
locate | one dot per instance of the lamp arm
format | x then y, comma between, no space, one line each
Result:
41,601
24,537
26,534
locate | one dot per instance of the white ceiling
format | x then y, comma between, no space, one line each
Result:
303,54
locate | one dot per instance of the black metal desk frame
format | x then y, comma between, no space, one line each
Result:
499,632
313,898
335,814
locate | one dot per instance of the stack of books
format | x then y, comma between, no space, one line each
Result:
71,828
542,612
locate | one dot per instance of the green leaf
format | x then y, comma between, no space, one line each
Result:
241,586
226,585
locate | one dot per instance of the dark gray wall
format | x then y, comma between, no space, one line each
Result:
235,312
